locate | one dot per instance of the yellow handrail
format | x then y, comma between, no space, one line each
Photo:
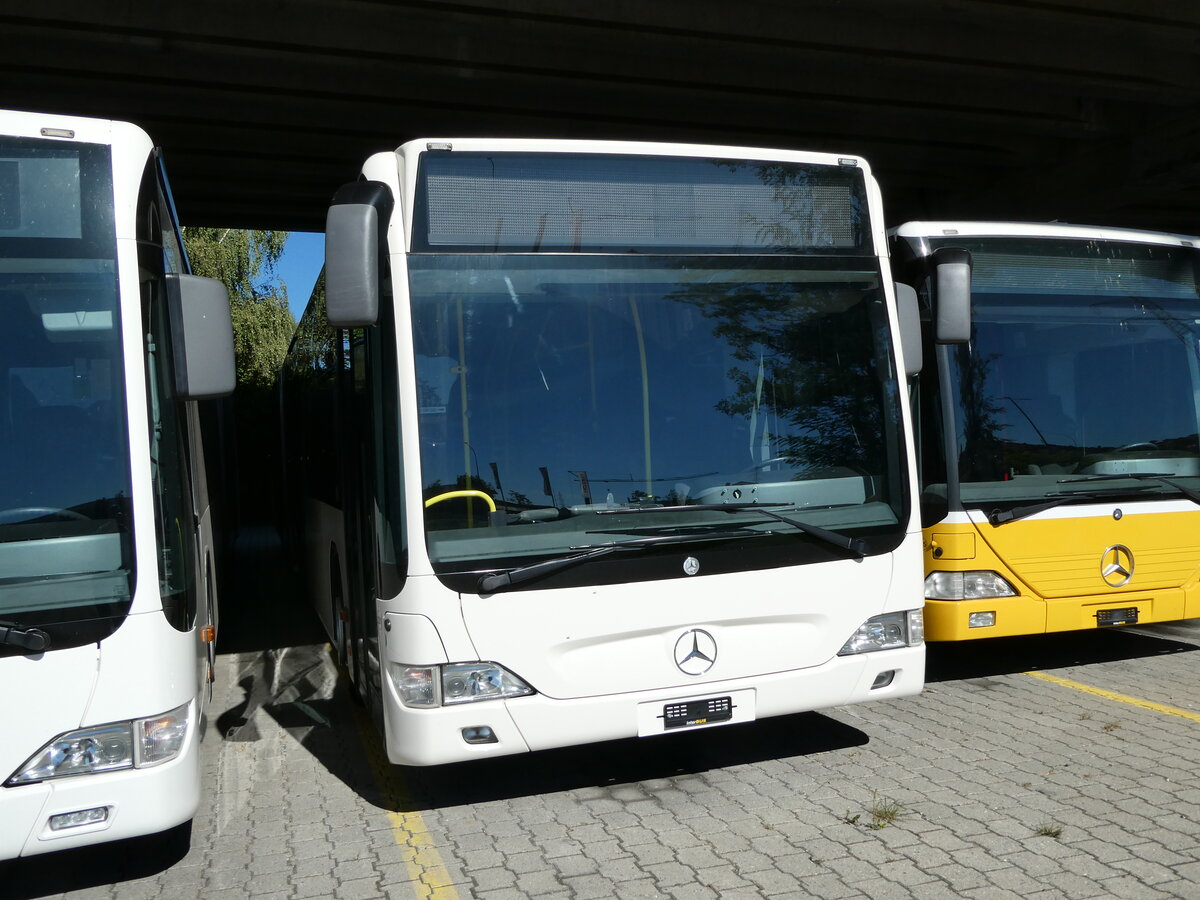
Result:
450,494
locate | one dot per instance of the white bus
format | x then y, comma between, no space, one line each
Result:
591,440
1059,428
107,607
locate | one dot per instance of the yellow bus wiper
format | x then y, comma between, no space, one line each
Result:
1164,477
997,518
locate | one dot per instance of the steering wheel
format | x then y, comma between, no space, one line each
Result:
18,514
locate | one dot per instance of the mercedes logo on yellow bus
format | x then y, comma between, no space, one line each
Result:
1116,565
695,652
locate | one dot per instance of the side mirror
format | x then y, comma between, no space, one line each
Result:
355,229
352,265
910,328
202,332
952,299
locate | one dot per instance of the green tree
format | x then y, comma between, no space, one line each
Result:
244,261
262,323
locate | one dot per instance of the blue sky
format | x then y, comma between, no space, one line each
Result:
298,268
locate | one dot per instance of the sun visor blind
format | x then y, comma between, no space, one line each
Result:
521,203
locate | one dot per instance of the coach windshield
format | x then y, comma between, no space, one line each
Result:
650,352
65,546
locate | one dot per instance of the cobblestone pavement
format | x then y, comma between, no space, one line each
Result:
1080,780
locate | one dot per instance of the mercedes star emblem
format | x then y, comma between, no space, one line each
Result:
1116,565
695,652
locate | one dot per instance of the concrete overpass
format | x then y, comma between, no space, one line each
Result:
1079,110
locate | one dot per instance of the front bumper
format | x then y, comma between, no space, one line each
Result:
422,737
140,802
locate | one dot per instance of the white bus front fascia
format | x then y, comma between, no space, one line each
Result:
138,801
423,592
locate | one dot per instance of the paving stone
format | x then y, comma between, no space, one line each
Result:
976,764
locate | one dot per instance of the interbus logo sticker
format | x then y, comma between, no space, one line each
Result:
1116,565
695,652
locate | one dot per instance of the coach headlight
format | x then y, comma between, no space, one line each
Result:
427,687
139,743
887,632
967,586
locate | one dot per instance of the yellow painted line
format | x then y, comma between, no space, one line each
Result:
1118,698
429,876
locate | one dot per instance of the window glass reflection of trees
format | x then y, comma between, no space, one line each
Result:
648,390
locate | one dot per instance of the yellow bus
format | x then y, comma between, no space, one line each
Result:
1057,427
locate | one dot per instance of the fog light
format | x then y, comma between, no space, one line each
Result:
883,679
480,734
981,619
76,819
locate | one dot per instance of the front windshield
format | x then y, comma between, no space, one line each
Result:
64,493
1084,366
568,395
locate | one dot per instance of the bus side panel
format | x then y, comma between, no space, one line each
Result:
322,563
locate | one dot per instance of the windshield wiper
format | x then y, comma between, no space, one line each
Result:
1164,477
1057,498
855,546
32,639
489,584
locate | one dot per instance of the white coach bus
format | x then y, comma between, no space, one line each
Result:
591,440
107,600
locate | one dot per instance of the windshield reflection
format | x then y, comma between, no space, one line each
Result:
1084,364
554,388
65,550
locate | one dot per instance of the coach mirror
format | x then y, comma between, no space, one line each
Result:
952,306
353,236
202,334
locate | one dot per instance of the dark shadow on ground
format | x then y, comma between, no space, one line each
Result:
675,756
1007,655
261,605
96,866
351,748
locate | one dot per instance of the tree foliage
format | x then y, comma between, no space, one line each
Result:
244,261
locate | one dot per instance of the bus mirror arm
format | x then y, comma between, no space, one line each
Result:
952,266
202,329
910,328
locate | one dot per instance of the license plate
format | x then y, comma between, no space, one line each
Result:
697,712
1127,616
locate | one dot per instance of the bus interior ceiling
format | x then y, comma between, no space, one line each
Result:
1080,110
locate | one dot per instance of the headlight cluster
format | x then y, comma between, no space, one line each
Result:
967,586
887,632
139,743
427,687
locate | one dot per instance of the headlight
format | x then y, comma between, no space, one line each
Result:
887,632
105,748
161,738
426,687
967,586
